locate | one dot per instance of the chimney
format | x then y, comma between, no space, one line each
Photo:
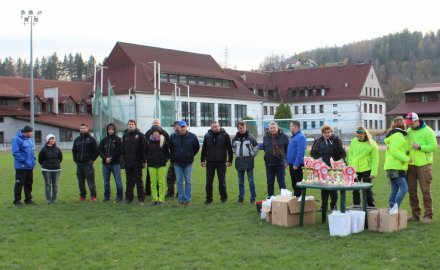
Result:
52,92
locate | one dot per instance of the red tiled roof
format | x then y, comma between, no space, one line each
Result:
129,67
62,120
78,90
332,78
8,91
422,108
251,78
424,88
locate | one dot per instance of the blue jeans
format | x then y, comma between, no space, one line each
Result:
250,174
271,171
183,177
51,186
107,169
399,188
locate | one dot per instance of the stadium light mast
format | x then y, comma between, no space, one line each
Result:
156,74
30,18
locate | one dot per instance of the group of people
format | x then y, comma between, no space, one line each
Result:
408,161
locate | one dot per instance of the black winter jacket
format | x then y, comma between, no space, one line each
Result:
157,153
270,158
162,131
326,149
111,146
133,149
183,148
216,146
50,157
85,148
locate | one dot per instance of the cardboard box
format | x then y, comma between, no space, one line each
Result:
285,211
381,221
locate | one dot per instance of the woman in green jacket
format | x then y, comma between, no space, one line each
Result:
396,162
364,157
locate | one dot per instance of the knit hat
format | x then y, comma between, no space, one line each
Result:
49,136
27,129
156,128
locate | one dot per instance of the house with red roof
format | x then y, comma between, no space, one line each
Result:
60,108
423,99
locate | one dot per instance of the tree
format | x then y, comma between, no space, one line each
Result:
283,112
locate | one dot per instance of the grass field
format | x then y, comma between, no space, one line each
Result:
86,235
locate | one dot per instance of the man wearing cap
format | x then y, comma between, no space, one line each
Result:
85,152
421,143
24,163
184,145
216,156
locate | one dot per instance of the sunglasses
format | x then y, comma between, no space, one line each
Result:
360,131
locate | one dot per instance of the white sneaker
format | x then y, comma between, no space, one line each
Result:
394,209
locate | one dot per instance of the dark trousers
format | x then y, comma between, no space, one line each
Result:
171,179
296,176
86,171
280,173
333,199
134,177
211,167
363,177
23,178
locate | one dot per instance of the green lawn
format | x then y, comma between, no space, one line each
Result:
86,235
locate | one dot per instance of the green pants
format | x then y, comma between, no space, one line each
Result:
158,179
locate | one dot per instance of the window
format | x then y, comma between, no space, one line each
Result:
9,103
163,77
2,137
227,83
314,92
69,106
313,124
296,110
206,114
366,91
438,125
192,80
240,112
2,119
173,78
424,98
304,125
430,123
380,108
321,108
375,108
335,105
365,124
49,106
365,108
370,108
66,135
37,135
183,79
375,124
265,110
312,109
321,123
224,115
380,124
210,81
370,91
271,110
82,108
335,112
374,92
192,113
370,124
322,92
218,82
306,93
38,106
201,80
304,109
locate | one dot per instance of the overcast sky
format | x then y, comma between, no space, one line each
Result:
251,30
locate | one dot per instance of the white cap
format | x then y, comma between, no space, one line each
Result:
49,136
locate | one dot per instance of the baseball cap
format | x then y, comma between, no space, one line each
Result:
182,123
412,116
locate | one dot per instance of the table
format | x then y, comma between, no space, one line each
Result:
342,189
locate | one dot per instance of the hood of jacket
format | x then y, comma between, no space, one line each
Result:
114,127
396,130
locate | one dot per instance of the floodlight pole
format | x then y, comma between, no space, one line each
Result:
31,19
156,94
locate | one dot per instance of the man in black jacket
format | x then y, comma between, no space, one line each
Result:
216,155
155,123
85,151
110,149
135,159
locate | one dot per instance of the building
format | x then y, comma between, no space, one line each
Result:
424,99
60,107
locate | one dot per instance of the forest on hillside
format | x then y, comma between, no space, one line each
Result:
400,60
71,68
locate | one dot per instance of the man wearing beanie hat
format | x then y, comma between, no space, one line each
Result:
421,144
24,163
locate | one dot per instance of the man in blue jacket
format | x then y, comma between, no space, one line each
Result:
295,155
24,163
184,145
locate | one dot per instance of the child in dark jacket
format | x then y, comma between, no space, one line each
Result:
157,158
50,158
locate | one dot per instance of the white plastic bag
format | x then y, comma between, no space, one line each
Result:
339,223
285,192
357,220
